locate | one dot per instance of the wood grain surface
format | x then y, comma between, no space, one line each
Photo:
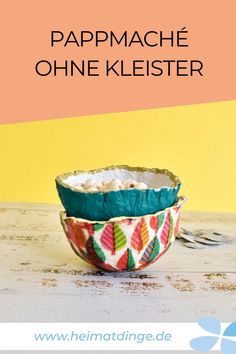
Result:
42,280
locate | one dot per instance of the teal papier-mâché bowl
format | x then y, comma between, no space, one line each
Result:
163,187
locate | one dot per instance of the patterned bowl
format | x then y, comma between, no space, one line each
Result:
123,244
163,187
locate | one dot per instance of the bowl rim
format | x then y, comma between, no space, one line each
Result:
175,179
178,204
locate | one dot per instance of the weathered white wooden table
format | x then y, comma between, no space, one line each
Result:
42,280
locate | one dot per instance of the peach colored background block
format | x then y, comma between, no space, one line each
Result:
26,27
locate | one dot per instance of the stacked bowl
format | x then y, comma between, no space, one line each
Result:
120,218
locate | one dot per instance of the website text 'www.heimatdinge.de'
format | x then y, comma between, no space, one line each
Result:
98,336
113,336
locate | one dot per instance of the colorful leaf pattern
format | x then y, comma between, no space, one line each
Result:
80,236
144,233
98,250
94,251
161,218
102,244
126,261
171,230
113,238
144,264
136,241
70,230
154,223
88,227
151,251
107,238
165,230
140,236
97,227
78,252
76,233
120,238
176,230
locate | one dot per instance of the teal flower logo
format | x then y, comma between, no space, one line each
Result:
213,326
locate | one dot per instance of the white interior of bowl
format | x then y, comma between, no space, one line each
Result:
153,180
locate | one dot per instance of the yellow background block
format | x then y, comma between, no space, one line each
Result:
197,142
